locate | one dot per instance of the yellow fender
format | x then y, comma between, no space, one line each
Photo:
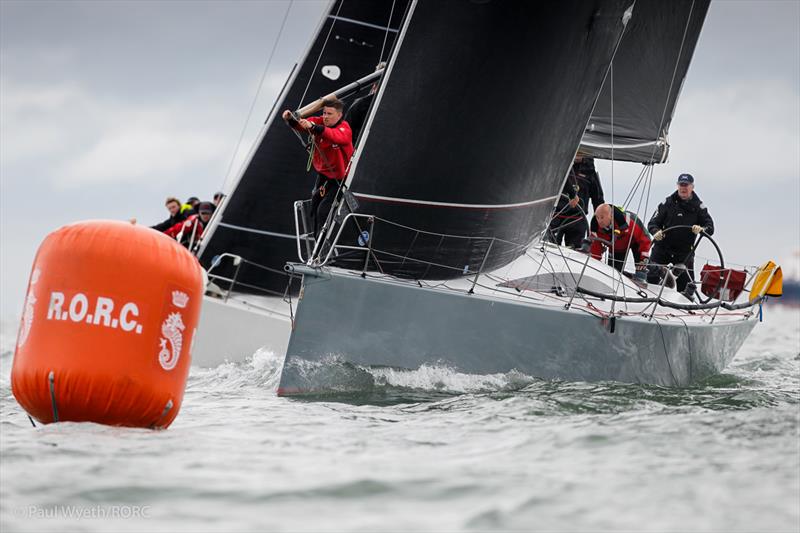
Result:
768,280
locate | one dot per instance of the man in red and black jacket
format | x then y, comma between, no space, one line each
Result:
332,148
625,230
190,230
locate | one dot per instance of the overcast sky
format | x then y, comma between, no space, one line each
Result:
106,108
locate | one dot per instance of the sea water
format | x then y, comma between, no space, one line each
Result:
428,450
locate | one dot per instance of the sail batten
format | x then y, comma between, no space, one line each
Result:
362,23
411,201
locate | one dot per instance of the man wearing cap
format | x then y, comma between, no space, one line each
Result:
675,245
190,207
190,230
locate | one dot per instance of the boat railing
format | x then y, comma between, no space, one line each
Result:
233,283
304,234
365,225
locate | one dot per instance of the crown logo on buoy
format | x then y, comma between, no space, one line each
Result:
180,299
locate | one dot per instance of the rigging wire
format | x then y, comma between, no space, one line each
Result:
613,235
386,34
258,92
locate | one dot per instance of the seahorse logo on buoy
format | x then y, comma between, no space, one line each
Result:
172,330
27,314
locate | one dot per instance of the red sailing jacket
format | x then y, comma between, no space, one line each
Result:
630,232
333,150
187,226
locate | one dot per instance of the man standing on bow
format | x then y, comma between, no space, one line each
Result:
674,226
332,148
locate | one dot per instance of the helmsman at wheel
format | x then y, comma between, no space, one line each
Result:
674,226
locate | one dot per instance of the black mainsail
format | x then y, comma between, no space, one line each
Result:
646,77
256,222
476,126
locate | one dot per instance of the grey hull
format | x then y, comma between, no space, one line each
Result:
350,321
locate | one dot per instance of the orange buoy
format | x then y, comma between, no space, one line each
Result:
108,326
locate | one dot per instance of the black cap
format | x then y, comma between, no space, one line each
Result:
685,178
205,207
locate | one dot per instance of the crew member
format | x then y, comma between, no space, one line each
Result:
569,218
190,207
175,215
190,230
625,230
675,225
332,145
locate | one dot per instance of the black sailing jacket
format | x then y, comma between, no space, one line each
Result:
676,212
171,221
583,182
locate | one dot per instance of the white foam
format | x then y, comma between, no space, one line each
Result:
446,379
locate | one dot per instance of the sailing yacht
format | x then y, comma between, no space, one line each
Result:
434,254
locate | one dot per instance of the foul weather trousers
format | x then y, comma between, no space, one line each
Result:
571,230
661,255
322,197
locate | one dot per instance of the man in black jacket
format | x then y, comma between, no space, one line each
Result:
569,218
175,215
675,245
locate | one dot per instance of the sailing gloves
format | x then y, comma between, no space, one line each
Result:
658,236
697,229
